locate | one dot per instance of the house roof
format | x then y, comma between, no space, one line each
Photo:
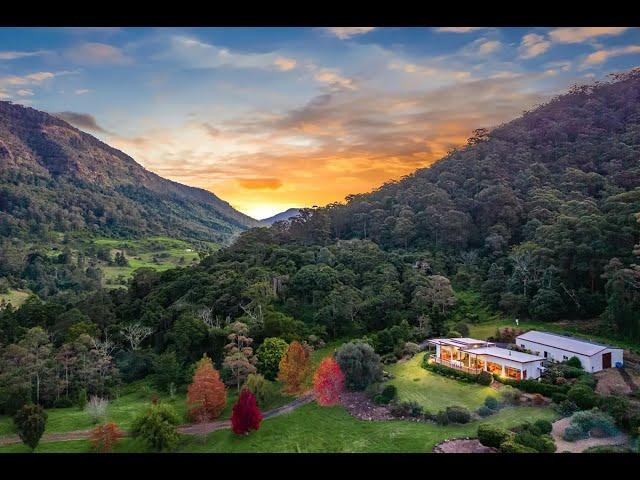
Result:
561,342
506,354
458,342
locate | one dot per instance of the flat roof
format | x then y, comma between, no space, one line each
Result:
458,342
498,352
569,344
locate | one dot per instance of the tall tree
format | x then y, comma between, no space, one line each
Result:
294,368
246,415
328,382
207,395
239,358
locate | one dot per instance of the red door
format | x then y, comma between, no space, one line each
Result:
606,360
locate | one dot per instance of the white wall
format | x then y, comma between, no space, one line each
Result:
531,367
589,364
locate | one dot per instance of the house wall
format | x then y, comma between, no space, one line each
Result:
589,364
530,367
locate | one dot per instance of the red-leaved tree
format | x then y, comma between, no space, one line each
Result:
295,366
328,382
207,395
105,436
246,415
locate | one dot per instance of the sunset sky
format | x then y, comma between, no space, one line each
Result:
272,118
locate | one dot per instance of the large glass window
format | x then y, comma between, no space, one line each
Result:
512,373
494,368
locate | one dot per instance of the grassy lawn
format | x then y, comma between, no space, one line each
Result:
14,297
434,392
159,253
133,400
316,429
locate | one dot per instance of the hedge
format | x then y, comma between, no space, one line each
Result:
449,372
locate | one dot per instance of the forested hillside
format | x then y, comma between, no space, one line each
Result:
58,184
537,218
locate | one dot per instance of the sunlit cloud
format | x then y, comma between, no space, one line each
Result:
14,55
97,54
260,183
345,33
533,45
582,34
198,54
602,56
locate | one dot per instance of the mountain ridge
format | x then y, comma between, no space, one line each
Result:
38,148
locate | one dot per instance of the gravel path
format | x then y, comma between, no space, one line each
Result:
192,429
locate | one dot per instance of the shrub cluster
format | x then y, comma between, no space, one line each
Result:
526,438
492,436
387,394
406,409
457,414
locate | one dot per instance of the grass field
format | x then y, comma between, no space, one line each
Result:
159,253
132,401
321,429
434,392
14,297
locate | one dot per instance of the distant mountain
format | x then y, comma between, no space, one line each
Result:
286,215
56,178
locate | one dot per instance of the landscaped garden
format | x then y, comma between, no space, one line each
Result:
433,391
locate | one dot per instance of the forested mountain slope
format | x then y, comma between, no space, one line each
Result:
55,178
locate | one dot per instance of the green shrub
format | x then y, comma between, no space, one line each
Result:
485,411
442,418
618,407
540,443
509,395
389,392
491,402
485,378
566,408
558,397
544,426
454,334
573,433
157,426
406,409
582,396
30,422
589,420
448,372
588,380
82,398
269,355
513,447
457,414
264,390
574,362
492,435
360,364
608,449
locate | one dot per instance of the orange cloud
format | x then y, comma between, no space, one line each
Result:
260,183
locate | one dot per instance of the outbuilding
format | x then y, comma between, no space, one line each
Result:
559,348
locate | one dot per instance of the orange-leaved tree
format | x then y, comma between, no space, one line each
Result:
105,436
295,367
328,382
207,395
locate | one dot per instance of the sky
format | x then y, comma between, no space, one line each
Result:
273,118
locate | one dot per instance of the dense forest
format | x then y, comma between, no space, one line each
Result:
538,216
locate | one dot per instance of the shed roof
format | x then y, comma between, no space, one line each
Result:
506,354
561,342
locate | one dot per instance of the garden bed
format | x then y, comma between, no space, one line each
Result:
581,445
463,445
361,407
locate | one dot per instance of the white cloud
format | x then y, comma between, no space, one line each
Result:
582,34
602,56
489,46
458,29
336,81
14,55
197,54
25,92
344,33
285,64
97,54
82,91
533,45
32,78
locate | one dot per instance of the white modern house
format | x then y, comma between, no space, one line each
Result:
558,348
474,356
